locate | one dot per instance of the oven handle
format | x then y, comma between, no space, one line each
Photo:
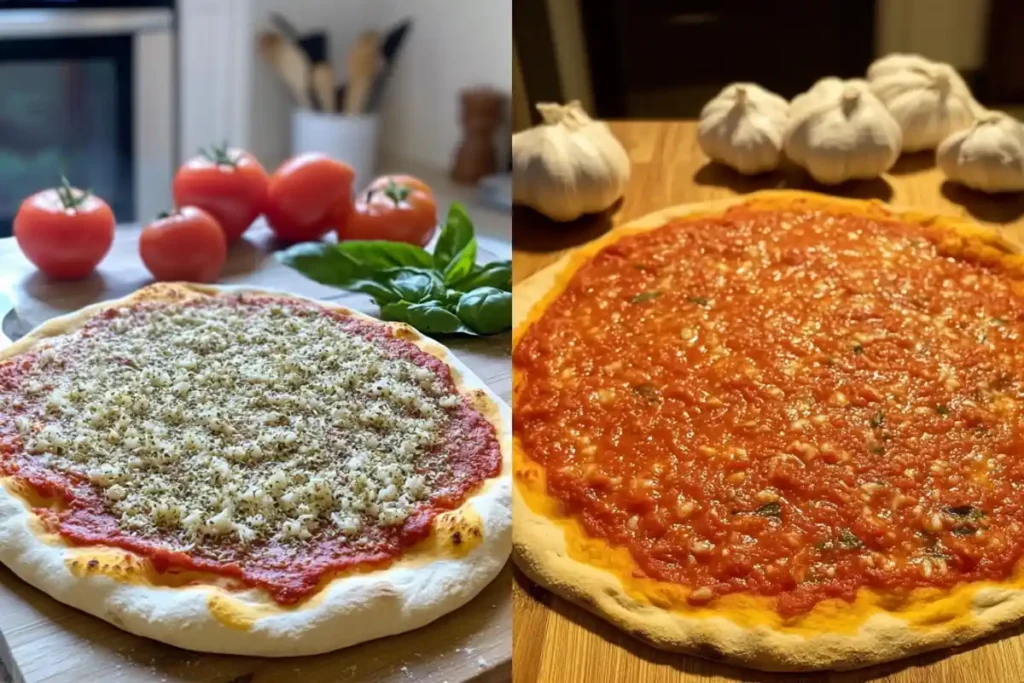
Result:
58,23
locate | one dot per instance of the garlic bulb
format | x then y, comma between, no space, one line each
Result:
898,61
743,127
988,156
928,101
569,165
839,134
824,89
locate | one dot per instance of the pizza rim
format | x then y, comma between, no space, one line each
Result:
553,551
432,578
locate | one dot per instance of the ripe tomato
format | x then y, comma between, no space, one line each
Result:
65,232
227,183
308,196
398,208
186,245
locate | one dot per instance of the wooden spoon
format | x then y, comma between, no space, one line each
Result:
291,64
324,85
364,61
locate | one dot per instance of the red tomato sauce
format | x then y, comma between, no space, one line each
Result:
787,404
288,572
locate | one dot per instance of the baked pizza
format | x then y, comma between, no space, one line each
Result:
250,473
782,430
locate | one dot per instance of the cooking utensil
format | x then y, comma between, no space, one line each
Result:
389,49
290,62
316,46
323,86
364,63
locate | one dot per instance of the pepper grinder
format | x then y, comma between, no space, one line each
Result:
482,113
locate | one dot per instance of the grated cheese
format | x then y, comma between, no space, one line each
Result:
238,422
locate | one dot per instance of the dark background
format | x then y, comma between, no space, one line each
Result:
666,58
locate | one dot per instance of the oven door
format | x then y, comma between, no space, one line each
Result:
88,94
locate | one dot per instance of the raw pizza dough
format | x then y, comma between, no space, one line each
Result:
554,551
430,580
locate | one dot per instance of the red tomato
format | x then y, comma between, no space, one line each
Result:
64,231
187,245
308,196
229,184
398,208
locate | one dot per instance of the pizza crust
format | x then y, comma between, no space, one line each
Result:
467,549
554,552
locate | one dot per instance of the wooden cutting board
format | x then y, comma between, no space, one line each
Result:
555,641
44,640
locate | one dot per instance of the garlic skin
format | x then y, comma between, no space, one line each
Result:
743,127
900,61
568,166
988,156
824,89
929,101
840,134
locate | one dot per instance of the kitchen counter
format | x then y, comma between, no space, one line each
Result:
556,641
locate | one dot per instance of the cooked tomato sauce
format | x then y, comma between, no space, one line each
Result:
288,571
786,404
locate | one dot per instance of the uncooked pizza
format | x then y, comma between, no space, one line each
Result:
249,473
783,431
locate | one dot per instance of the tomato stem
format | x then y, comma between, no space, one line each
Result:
395,192
66,193
219,155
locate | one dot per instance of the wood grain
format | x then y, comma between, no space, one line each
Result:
42,639
556,641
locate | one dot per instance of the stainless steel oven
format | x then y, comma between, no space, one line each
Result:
88,90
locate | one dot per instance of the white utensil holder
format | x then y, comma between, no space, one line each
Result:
352,139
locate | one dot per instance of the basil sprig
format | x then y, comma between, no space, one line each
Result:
446,292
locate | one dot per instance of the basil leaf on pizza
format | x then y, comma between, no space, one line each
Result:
782,431
250,473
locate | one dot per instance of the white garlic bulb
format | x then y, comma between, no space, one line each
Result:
839,134
824,89
988,156
569,165
928,101
898,61
743,127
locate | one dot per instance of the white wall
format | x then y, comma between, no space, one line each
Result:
453,44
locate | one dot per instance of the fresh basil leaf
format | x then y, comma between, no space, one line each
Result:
462,265
428,316
416,284
325,264
486,310
496,274
456,235
378,254
452,297
432,316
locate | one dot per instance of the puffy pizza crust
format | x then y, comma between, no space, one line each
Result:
553,550
467,549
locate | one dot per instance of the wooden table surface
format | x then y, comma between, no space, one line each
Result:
48,641
556,641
